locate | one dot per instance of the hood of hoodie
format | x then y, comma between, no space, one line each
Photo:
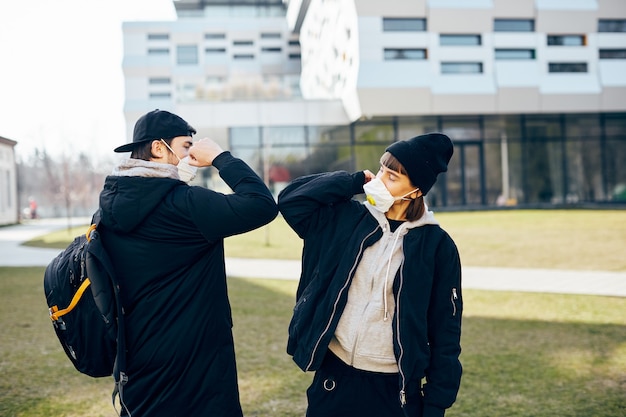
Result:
427,218
133,190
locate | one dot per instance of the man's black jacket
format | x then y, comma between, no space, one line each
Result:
165,239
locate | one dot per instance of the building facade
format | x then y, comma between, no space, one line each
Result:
532,92
9,211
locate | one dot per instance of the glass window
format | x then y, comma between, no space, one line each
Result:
187,55
243,43
159,80
409,127
394,24
243,56
542,157
567,67
294,42
277,49
158,51
398,53
270,35
158,36
294,56
214,36
215,50
566,40
612,53
615,169
515,54
612,25
461,67
459,40
513,25
245,137
583,158
161,95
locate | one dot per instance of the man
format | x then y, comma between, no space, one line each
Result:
379,302
166,241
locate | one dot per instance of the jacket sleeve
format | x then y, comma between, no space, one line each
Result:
308,201
443,375
251,205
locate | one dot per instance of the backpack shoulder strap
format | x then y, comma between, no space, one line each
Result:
119,369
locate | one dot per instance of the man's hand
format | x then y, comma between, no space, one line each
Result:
203,152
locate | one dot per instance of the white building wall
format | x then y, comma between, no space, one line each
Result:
343,74
388,87
8,183
247,74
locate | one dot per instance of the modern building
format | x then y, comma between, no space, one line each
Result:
532,92
9,211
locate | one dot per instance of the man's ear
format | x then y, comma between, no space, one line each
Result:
157,149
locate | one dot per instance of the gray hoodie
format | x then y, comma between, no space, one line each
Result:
364,335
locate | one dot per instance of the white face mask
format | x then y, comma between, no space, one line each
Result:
186,172
379,196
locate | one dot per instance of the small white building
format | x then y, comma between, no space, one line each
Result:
9,211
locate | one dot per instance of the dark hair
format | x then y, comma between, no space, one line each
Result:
144,150
416,207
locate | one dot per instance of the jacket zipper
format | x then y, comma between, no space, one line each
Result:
399,339
345,285
453,299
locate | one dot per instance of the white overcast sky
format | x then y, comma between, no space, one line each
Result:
61,80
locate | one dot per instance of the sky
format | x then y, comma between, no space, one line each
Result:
61,79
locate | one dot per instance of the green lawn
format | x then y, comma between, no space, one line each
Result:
524,355
557,239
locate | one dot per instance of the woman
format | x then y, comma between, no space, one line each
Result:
379,301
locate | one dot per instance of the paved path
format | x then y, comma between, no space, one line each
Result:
496,279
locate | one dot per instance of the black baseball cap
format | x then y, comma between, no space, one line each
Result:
158,124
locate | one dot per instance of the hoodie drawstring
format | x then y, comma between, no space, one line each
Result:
393,247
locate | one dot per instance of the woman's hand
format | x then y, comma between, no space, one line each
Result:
369,175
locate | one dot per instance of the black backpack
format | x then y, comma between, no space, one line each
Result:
84,304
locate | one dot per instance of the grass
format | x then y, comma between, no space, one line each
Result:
557,239
548,239
523,355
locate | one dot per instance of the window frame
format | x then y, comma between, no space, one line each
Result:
475,39
459,64
612,53
187,54
532,54
402,24
562,40
612,24
404,54
513,28
561,67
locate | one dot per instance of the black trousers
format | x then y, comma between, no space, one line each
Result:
339,390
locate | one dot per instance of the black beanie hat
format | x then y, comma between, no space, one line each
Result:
423,157
158,124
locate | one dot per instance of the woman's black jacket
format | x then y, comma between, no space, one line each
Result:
427,288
